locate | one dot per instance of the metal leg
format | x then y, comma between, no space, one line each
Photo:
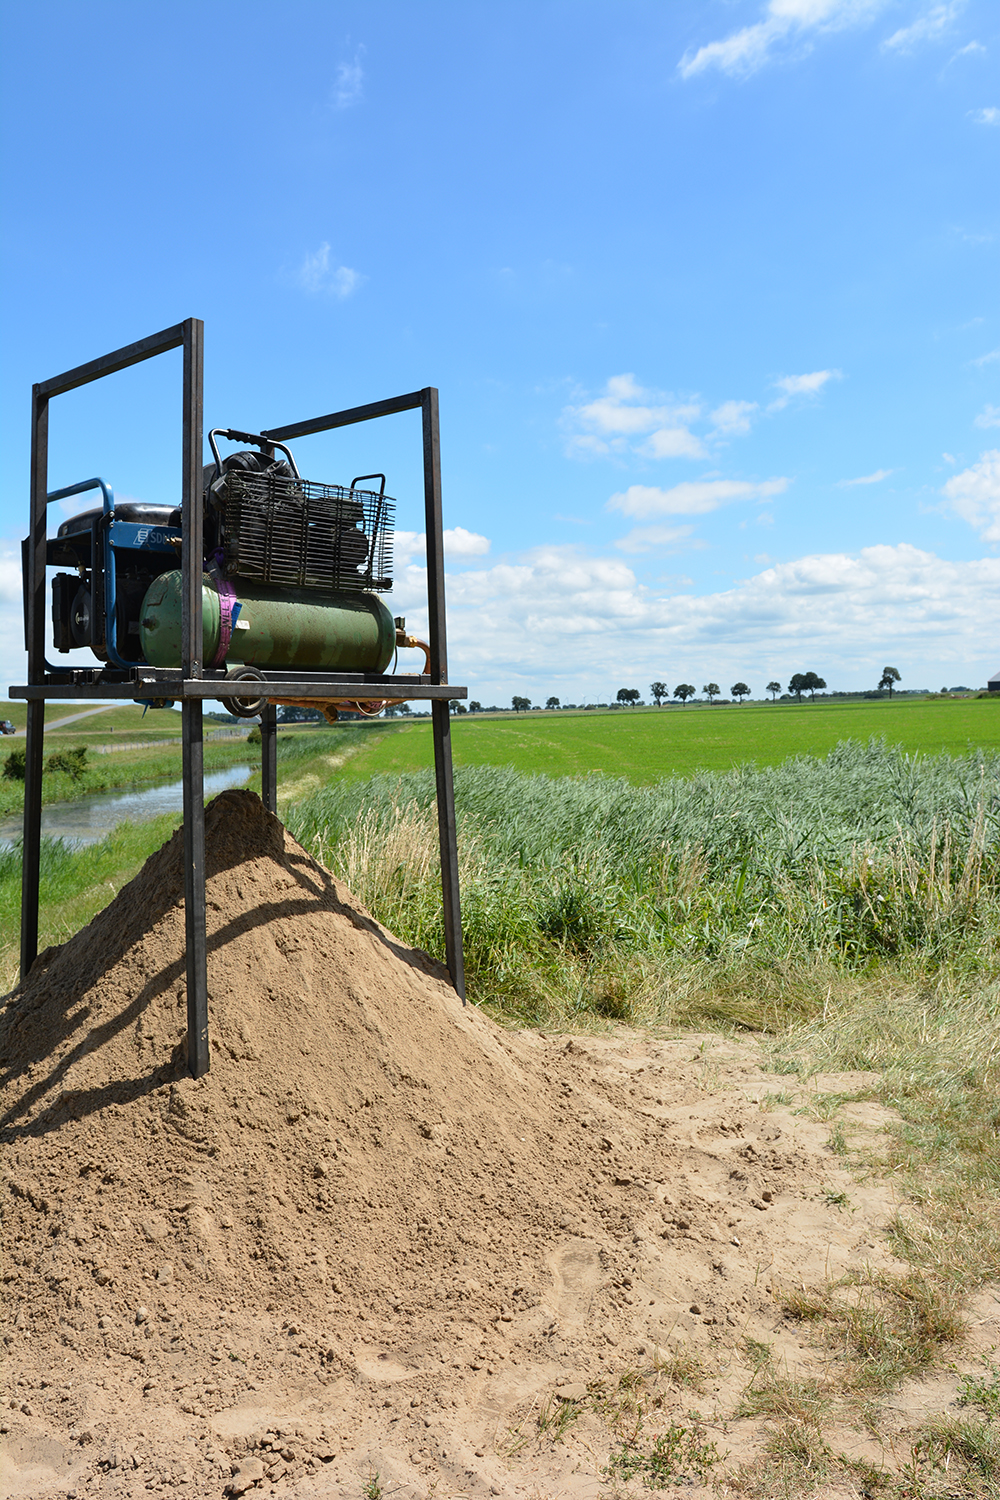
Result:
192,645
448,840
194,889
269,758
32,842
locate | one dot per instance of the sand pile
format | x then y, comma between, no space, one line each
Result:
379,1224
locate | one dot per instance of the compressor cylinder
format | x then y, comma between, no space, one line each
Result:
252,624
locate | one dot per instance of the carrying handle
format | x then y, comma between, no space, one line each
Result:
233,435
81,489
381,488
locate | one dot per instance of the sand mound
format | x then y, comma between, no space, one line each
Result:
379,1223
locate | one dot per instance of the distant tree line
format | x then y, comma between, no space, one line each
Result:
799,683
628,697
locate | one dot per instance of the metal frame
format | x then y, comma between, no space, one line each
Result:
194,682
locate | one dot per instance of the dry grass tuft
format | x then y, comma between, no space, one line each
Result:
883,1329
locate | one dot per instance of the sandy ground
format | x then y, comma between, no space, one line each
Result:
385,1247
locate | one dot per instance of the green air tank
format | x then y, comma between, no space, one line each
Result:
340,631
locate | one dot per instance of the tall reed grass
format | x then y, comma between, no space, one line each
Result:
592,893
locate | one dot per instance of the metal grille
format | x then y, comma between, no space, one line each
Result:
299,534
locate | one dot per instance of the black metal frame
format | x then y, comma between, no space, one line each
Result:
194,682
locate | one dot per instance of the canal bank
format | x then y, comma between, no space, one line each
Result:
68,778
84,820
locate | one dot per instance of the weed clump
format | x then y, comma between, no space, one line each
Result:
13,766
71,763
678,1454
982,1391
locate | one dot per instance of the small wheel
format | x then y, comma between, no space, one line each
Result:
244,708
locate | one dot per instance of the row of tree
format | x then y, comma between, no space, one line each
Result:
802,682
799,683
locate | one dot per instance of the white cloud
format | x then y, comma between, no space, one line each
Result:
586,445
656,539
461,543
348,85
318,273
801,385
457,543
987,359
626,412
673,442
12,652
10,576
989,417
967,50
785,23
975,495
627,419
558,617
988,116
692,498
926,28
732,418
876,478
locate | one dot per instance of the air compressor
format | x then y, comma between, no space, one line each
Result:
292,572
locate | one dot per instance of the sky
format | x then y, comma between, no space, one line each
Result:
709,291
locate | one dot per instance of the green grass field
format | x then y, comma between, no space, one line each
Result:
645,745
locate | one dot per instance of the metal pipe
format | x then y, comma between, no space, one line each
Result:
192,517
434,535
440,713
346,418
269,758
34,612
38,533
448,845
31,846
192,725
196,950
34,622
119,359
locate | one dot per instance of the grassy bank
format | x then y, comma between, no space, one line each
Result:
75,884
97,722
105,773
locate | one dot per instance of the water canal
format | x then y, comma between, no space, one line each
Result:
84,820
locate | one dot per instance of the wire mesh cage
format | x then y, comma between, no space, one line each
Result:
297,533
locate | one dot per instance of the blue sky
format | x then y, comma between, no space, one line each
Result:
709,291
